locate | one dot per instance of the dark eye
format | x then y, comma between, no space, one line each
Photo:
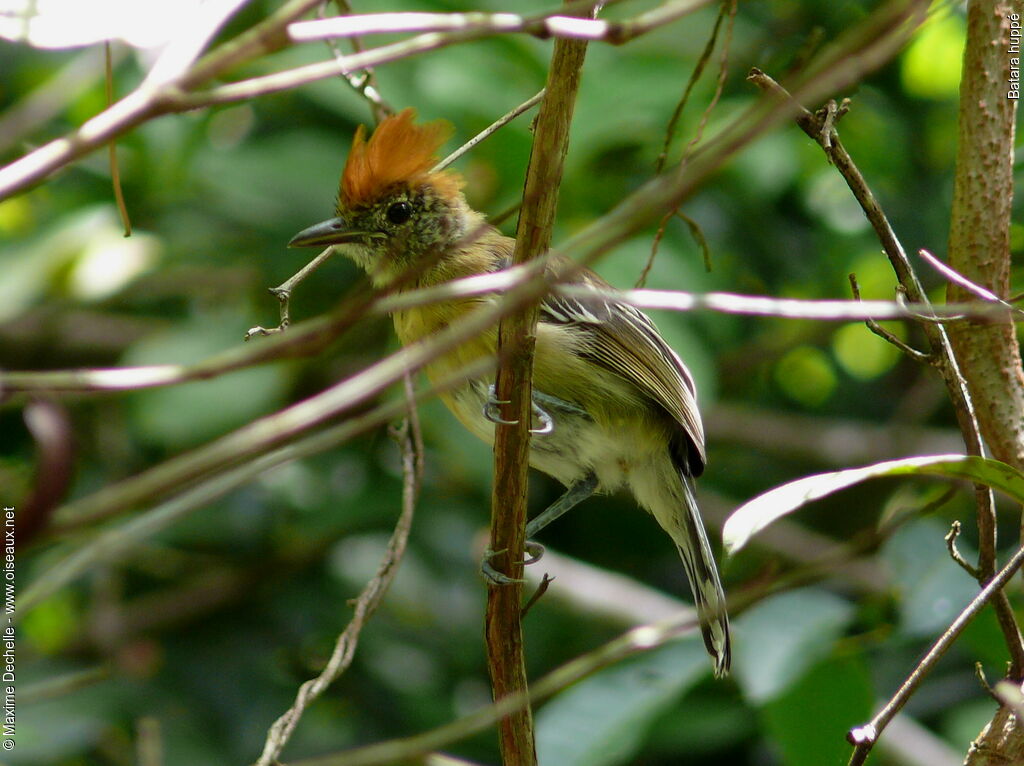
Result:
400,212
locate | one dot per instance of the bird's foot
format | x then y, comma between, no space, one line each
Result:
534,553
547,425
493,413
491,408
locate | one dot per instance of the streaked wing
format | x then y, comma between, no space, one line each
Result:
625,341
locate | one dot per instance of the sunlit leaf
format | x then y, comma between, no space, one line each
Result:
752,517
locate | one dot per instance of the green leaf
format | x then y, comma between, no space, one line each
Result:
809,723
603,720
752,517
780,638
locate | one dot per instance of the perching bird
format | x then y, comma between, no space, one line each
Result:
615,404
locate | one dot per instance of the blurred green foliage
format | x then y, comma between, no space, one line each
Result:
209,628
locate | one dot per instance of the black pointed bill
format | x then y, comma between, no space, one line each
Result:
335,231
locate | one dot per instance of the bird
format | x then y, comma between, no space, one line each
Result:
614,405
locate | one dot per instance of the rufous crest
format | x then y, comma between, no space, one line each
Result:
399,151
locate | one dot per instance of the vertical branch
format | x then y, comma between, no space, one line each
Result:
516,337
979,235
979,248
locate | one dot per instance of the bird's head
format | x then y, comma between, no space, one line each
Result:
392,210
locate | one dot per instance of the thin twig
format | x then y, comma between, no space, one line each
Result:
881,332
728,7
954,552
864,737
979,673
365,605
542,588
283,293
698,70
957,278
59,686
364,84
489,130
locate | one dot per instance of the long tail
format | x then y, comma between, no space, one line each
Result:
667,492
702,572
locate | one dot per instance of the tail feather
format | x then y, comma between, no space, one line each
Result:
667,492
702,572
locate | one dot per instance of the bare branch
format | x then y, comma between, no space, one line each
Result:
115,169
864,737
960,280
365,605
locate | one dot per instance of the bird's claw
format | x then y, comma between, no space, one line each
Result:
534,551
493,414
547,424
491,411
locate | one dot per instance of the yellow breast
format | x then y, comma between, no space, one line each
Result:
423,322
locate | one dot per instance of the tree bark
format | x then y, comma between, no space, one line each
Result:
516,336
979,248
979,237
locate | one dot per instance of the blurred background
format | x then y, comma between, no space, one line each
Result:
198,638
